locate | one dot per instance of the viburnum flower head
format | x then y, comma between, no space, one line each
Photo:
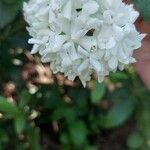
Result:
82,37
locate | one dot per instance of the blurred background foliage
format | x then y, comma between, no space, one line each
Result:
41,111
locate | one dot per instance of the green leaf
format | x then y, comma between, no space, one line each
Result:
24,98
117,76
64,138
78,132
7,13
144,7
89,147
98,92
135,140
34,138
3,136
63,112
13,111
9,1
20,146
20,123
8,108
118,113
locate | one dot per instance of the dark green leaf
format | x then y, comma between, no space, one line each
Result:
8,13
3,136
64,138
144,7
119,113
34,138
24,98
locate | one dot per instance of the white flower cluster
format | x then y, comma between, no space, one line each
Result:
81,37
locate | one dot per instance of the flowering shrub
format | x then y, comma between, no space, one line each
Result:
42,111
82,37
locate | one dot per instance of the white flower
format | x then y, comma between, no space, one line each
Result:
81,37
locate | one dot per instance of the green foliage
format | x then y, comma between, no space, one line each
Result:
119,112
8,108
135,141
144,7
98,92
24,98
58,116
78,132
34,138
12,111
9,10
